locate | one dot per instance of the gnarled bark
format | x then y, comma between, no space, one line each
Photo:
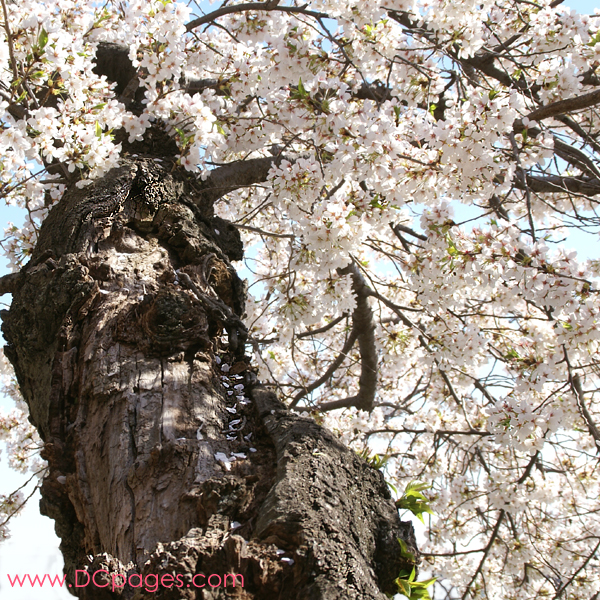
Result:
116,330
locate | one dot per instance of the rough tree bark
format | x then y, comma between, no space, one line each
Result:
115,331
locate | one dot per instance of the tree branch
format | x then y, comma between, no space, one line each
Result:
330,371
375,91
397,227
290,236
457,553
575,127
435,432
557,184
11,51
562,588
323,329
585,413
261,6
112,60
576,157
528,468
9,283
562,107
524,180
230,177
364,323
485,553
363,330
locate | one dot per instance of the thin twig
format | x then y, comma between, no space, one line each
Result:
524,176
323,329
18,508
11,51
262,232
592,428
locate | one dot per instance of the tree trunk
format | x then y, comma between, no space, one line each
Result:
121,331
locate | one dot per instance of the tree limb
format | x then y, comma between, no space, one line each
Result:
112,60
289,236
563,587
585,413
575,127
557,184
576,157
330,371
323,329
11,52
262,6
9,283
230,177
529,468
363,330
435,432
562,107
485,553
398,227
364,323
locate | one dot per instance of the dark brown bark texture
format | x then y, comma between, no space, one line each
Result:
115,331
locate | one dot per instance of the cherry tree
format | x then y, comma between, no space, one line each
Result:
403,180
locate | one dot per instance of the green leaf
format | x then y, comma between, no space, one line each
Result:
377,462
414,501
98,22
403,587
416,486
42,40
419,594
452,249
301,91
406,554
413,590
98,130
426,583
